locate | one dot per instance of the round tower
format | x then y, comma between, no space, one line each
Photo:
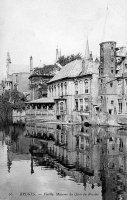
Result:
107,59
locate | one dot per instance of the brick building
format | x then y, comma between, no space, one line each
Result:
113,81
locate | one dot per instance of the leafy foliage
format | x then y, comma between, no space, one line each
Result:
18,100
65,60
8,101
46,70
5,108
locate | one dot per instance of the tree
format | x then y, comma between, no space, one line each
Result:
18,100
65,60
5,108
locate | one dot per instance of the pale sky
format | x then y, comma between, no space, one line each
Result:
36,27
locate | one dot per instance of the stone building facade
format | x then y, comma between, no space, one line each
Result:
113,81
75,90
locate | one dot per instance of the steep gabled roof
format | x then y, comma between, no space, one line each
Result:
74,69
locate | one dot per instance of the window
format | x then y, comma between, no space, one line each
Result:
119,82
76,87
112,71
86,91
76,104
86,86
86,100
126,82
125,66
61,107
52,90
81,104
112,102
86,104
16,78
58,90
120,105
38,106
62,89
110,111
101,99
101,71
55,89
111,84
65,85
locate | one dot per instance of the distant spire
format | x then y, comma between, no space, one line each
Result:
105,23
87,54
8,58
8,62
57,53
31,64
60,53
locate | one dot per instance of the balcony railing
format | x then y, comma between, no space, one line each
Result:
40,112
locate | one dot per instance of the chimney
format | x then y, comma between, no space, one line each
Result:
31,64
91,56
87,54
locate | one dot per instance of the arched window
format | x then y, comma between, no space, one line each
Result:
86,86
62,89
55,89
58,89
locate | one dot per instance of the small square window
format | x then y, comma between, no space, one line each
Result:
111,84
112,102
86,90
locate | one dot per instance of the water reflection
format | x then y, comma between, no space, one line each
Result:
89,159
95,155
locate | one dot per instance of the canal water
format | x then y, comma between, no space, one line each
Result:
69,162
